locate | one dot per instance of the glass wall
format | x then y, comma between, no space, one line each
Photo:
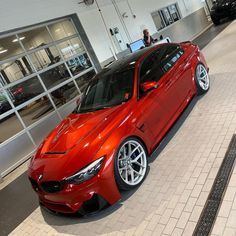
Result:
41,70
166,16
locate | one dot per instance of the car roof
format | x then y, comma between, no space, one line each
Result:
130,59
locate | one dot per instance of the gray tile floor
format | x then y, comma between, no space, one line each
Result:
173,195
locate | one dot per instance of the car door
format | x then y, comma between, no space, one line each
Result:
177,67
155,104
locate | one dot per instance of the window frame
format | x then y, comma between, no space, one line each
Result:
162,15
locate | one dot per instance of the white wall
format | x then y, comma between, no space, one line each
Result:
20,13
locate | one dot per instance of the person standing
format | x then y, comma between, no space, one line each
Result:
147,38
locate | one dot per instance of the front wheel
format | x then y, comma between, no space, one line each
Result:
202,79
130,164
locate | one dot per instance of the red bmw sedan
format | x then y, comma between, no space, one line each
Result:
125,111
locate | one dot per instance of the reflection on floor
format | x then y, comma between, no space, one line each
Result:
172,197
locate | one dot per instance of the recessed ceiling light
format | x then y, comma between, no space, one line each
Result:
57,30
16,40
5,50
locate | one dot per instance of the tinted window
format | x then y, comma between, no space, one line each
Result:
172,54
151,69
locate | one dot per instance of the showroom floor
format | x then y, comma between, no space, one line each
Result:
182,170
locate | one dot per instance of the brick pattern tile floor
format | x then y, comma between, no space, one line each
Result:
173,195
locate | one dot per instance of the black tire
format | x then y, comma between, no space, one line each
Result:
215,20
201,87
121,183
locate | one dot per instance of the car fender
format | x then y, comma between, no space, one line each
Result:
109,189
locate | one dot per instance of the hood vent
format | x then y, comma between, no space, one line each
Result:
54,153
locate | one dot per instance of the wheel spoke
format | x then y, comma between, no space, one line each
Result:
126,174
129,150
136,172
136,158
122,159
132,175
139,164
122,168
133,151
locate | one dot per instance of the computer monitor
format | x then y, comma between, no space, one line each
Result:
135,46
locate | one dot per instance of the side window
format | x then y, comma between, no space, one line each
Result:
173,53
146,68
151,69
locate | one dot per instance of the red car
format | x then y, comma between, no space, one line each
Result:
103,146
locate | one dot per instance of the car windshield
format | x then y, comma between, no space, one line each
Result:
109,88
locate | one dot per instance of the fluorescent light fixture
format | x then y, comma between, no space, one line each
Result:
5,50
16,40
57,30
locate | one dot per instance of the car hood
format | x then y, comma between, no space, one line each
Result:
74,143
76,127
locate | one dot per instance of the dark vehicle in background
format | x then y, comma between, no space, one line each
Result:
222,9
4,104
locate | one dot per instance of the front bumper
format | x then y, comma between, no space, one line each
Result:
76,198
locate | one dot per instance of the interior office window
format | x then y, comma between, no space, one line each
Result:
15,70
64,94
45,57
4,104
174,14
62,29
83,80
166,16
25,91
9,126
55,76
35,38
70,48
79,64
9,47
158,20
36,110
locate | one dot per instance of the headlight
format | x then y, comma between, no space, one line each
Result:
86,173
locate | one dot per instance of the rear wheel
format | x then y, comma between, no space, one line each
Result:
130,164
202,79
215,20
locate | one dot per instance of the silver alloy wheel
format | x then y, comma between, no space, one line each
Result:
132,162
202,77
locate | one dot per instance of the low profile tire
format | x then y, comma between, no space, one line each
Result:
216,21
130,164
202,79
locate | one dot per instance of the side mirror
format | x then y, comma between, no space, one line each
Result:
148,86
